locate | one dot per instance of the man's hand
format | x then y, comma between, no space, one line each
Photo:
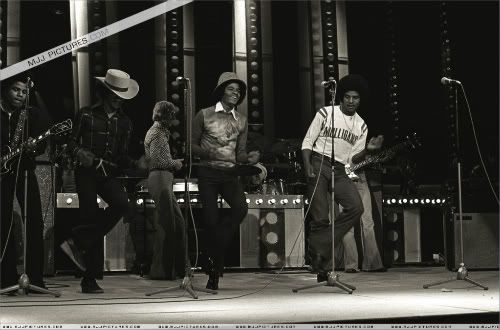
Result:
142,163
85,157
253,157
178,164
375,143
30,146
309,172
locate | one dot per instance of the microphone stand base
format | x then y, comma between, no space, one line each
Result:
186,285
24,284
462,275
333,280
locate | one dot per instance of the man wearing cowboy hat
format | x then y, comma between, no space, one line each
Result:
99,143
219,139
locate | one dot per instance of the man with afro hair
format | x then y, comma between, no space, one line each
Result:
348,135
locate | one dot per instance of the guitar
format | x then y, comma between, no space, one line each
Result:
411,141
56,130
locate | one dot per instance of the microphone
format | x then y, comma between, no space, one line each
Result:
181,80
29,83
448,81
328,83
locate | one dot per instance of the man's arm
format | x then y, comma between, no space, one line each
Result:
196,132
39,123
373,145
306,156
123,159
310,138
241,146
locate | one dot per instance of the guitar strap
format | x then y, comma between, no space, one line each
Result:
16,139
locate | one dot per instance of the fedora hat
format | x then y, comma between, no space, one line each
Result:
119,82
225,79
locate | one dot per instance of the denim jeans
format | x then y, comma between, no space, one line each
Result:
345,194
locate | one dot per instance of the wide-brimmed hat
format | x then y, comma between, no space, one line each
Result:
225,79
119,82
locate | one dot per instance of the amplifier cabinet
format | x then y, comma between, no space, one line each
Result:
480,241
272,233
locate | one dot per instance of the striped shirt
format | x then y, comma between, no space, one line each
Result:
349,134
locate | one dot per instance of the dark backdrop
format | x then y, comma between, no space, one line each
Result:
473,31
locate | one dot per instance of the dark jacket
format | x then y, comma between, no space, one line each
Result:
107,138
38,123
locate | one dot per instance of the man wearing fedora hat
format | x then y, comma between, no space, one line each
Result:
219,139
99,144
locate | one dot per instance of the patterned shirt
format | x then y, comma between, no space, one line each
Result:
157,149
106,137
220,137
349,134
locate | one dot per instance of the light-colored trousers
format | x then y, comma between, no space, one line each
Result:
371,254
169,257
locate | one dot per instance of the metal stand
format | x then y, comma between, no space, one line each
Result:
186,283
462,273
333,278
23,282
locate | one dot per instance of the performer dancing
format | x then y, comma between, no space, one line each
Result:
349,133
14,92
99,142
219,139
169,244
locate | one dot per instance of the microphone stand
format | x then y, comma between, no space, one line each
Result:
23,282
332,278
462,273
186,283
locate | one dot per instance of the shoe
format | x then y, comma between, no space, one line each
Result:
74,253
322,277
378,270
352,270
89,285
213,281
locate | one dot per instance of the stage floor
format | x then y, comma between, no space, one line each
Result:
261,297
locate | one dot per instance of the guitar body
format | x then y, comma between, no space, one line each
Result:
411,141
350,173
6,167
8,158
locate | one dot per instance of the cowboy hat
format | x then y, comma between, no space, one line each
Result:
119,82
225,79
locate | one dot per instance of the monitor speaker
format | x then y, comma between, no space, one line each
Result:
480,241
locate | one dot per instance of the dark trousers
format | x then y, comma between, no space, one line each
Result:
346,194
92,228
34,229
220,230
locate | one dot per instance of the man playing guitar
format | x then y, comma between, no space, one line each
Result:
20,124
